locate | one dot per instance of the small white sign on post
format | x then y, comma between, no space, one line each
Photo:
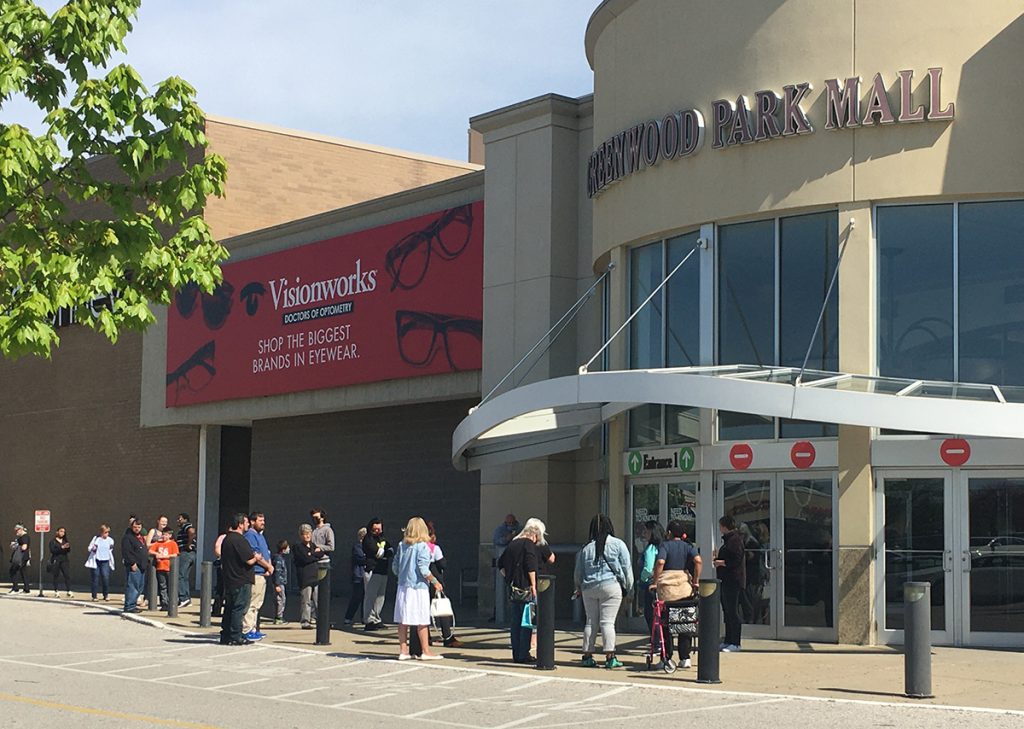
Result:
42,520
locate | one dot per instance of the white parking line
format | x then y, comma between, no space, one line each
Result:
297,693
667,712
460,679
179,675
239,683
435,709
531,684
97,660
524,720
288,658
595,698
359,701
396,673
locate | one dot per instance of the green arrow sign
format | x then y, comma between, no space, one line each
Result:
636,462
686,459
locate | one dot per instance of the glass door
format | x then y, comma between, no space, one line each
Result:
991,559
916,545
789,531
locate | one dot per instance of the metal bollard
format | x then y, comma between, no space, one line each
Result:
172,588
546,622
152,594
206,596
709,634
323,609
917,640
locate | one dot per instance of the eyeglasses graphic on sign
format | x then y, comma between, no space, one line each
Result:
408,260
216,307
421,335
196,372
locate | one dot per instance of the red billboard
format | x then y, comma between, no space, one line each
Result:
398,301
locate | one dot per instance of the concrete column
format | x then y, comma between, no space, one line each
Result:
857,343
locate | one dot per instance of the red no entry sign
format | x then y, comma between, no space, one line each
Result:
802,454
955,451
741,456
42,520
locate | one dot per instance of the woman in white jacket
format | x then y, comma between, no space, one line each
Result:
603,575
101,561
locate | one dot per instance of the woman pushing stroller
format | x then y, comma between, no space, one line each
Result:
676,576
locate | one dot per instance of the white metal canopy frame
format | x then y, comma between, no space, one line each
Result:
554,416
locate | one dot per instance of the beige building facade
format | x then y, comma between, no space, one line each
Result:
771,144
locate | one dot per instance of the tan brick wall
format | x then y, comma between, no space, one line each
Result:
275,175
70,442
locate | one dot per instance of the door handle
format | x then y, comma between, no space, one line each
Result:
778,558
766,560
947,560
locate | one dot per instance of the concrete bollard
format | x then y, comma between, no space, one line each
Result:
709,634
546,622
917,640
206,596
323,609
172,588
152,586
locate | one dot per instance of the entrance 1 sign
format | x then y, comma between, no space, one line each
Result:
43,520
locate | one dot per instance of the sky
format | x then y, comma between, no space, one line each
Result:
398,73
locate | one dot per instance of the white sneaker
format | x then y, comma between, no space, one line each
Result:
404,657
56,594
70,594
731,649
687,663
431,657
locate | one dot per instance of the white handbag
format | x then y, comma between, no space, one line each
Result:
441,607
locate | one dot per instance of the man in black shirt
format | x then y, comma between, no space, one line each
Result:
375,578
236,563
20,558
519,564
135,558
186,539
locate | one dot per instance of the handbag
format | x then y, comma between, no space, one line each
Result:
529,616
520,594
674,585
441,607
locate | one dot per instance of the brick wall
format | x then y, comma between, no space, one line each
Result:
275,175
70,442
393,463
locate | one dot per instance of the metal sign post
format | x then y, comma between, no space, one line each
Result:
42,527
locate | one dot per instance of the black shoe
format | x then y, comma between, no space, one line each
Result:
453,642
132,610
527,660
373,626
243,641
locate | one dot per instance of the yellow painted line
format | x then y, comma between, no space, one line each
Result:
102,712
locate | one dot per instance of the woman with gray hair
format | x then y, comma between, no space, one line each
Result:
306,557
518,564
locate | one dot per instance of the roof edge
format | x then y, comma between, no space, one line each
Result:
605,13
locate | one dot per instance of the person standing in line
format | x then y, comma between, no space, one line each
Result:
518,565
60,548
501,538
731,563
306,558
237,560
358,562
262,570
21,558
156,533
281,581
162,549
438,564
676,554
412,601
379,553
323,537
100,561
186,540
135,558
218,589
603,575
655,538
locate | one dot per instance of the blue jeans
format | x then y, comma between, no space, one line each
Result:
185,562
133,587
101,578
236,602
520,636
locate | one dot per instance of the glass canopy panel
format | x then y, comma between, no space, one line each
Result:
1013,394
955,391
876,385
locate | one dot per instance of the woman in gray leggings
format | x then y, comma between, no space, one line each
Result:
603,574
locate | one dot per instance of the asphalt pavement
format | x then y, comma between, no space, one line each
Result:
83,664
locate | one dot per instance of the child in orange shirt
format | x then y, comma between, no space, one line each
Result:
162,549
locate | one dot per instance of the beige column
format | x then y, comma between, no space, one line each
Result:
617,351
857,336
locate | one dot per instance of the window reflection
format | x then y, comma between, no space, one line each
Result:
915,288
914,544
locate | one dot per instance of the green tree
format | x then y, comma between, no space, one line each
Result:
108,197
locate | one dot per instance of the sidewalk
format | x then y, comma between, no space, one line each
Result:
984,678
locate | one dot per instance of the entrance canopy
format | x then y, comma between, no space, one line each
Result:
554,416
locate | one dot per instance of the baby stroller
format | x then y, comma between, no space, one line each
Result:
681,618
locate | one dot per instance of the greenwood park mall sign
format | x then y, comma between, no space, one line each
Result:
771,116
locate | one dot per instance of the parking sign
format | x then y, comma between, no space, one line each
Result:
42,520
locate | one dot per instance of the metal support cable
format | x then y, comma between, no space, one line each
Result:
566,319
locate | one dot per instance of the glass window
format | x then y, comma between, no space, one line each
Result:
645,426
746,313
682,304
682,425
808,252
991,292
915,290
645,331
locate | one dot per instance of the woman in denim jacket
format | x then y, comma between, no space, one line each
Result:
603,575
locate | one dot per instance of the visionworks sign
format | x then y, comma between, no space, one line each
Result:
771,116
393,302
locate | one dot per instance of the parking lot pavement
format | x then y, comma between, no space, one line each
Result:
93,669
